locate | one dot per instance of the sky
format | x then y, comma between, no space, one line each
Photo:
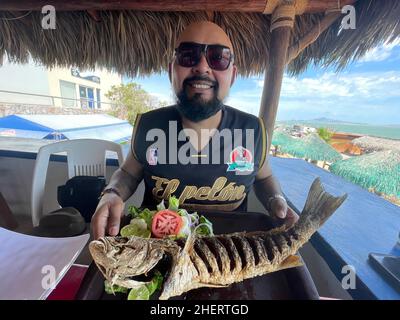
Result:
366,91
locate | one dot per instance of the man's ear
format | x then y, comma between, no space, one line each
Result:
234,74
170,72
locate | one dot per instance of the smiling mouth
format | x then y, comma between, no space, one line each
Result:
200,85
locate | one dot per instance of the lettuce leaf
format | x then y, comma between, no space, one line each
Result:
173,203
137,293
134,211
155,283
145,214
205,227
113,289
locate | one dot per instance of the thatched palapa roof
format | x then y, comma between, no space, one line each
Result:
141,41
372,144
310,146
377,170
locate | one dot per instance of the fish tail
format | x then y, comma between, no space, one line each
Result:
320,205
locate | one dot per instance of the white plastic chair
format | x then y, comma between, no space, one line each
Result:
85,157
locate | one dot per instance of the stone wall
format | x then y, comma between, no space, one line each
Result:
9,109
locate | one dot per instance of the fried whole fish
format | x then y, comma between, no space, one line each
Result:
216,261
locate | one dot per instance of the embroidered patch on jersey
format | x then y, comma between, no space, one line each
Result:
152,157
241,160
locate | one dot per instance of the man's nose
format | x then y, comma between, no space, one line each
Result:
202,67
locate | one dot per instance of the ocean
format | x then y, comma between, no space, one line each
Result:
392,132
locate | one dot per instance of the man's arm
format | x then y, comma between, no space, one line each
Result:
267,188
109,211
127,178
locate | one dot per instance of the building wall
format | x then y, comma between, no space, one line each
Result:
35,79
28,78
107,80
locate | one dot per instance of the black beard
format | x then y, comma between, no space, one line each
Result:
196,108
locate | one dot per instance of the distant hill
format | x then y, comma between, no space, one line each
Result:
321,120
328,120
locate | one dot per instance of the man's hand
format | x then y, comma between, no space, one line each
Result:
107,217
281,211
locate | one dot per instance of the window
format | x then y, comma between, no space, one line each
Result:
83,96
87,97
90,95
68,91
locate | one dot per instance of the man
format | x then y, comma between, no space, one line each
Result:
201,73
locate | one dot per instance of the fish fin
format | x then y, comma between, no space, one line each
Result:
320,205
189,243
290,262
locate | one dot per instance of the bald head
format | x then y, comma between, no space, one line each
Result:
200,89
204,32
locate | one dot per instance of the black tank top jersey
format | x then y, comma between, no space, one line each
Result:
218,177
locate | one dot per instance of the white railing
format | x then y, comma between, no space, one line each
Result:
82,102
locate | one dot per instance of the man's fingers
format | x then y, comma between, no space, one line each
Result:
291,217
279,208
99,222
114,219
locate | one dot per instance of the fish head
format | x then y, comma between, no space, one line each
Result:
123,261
122,258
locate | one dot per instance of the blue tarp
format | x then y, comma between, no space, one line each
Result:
60,127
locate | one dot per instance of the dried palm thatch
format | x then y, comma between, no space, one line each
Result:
314,148
379,171
142,42
371,144
310,146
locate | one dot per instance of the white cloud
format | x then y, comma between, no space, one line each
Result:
358,97
246,105
329,85
381,52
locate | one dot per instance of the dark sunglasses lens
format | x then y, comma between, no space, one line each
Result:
218,57
188,55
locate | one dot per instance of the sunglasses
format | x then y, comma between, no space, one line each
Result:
218,57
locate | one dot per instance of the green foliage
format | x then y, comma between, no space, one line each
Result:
130,99
325,134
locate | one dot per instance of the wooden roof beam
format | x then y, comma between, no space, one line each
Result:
312,35
262,6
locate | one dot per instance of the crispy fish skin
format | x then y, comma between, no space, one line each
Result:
216,261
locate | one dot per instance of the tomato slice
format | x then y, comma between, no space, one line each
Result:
165,223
